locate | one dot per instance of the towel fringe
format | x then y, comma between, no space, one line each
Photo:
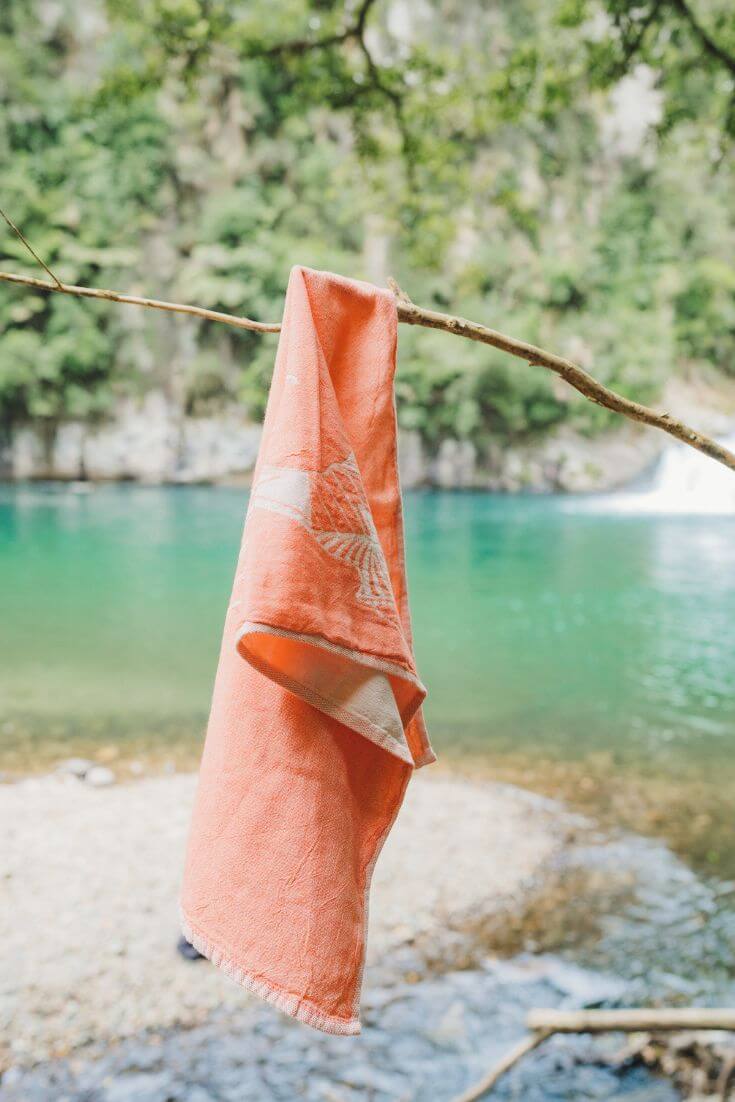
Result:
284,1001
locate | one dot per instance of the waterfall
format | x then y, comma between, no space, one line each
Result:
684,482
688,482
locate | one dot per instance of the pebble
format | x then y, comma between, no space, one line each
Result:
99,776
108,753
75,767
451,1032
143,1087
583,987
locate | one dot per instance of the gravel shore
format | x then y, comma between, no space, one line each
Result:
90,885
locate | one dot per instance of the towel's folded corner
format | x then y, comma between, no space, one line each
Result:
374,697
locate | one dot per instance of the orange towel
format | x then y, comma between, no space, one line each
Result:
315,724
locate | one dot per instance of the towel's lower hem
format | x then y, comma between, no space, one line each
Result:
285,1001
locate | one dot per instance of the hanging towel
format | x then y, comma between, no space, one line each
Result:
315,724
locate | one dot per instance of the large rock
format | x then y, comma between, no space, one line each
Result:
217,447
569,462
147,441
150,441
141,443
75,767
28,454
562,461
455,465
99,776
67,453
412,462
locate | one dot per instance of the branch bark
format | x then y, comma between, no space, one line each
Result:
572,374
411,314
645,1020
631,45
135,300
296,47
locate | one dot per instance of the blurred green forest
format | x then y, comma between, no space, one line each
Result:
562,171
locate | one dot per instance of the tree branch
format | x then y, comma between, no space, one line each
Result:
393,96
298,46
635,1020
713,48
572,374
354,32
135,300
411,314
631,45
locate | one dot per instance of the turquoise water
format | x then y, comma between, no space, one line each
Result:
546,628
582,630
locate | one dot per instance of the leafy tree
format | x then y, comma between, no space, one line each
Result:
195,149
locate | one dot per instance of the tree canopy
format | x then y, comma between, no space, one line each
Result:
561,170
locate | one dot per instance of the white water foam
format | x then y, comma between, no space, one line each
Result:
685,482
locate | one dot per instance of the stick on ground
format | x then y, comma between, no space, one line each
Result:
545,1023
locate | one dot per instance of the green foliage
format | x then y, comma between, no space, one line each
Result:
705,312
196,149
690,45
466,390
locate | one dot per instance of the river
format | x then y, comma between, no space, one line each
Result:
581,646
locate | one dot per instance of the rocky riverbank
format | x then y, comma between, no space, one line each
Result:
423,1041
150,441
487,901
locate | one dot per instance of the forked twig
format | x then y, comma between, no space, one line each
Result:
482,1086
31,250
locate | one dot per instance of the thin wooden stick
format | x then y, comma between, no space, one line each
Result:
135,300
545,1023
482,1086
633,1021
18,233
411,314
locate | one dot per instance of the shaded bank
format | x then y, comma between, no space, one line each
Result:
151,440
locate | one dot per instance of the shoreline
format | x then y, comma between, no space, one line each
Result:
691,814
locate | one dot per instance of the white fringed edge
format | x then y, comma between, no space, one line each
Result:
283,1000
